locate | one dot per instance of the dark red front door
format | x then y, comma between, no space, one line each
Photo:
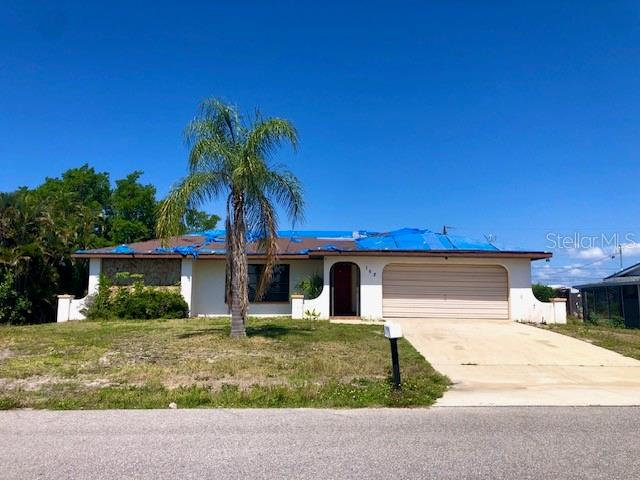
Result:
342,290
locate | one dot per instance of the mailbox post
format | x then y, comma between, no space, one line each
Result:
393,332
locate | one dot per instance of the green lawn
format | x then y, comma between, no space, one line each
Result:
194,363
621,340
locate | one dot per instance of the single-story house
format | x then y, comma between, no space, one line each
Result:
369,275
617,297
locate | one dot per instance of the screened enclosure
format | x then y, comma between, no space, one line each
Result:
619,304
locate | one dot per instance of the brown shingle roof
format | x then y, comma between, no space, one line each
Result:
403,242
201,245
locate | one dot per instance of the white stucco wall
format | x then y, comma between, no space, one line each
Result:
95,268
186,281
71,308
523,306
207,288
202,285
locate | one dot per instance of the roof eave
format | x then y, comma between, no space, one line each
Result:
329,253
604,284
435,253
212,256
624,271
124,255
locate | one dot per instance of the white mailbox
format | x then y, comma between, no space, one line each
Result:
392,330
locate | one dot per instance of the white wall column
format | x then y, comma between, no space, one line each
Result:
297,307
95,268
559,310
64,308
186,280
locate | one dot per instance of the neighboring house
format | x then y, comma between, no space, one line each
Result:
404,273
616,297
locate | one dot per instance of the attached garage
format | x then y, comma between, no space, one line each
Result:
456,292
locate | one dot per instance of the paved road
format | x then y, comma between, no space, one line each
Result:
442,443
493,362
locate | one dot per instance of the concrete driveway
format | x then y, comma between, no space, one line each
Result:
493,362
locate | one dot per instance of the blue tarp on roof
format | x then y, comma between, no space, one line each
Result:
404,239
417,239
335,234
185,251
209,235
123,249
218,235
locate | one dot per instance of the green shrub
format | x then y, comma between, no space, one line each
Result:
311,286
138,302
542,292
603,321
573,320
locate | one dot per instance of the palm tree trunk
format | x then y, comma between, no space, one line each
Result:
239,275
237,320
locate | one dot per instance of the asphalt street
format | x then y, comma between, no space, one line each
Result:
442,442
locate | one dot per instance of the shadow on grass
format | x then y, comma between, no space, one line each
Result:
268,330
276,331
205,331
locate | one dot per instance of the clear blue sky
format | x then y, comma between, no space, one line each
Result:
503,118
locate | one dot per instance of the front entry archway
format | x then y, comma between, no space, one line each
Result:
345,290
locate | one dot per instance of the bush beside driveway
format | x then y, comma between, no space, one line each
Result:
194,363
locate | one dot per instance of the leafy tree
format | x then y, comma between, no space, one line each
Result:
133,208
543,292
127,231
79,201
40,228
30,255
15,307
77,207
83,182
199,221
231,158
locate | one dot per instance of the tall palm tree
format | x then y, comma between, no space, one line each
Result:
231,158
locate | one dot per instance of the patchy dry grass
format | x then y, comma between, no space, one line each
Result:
621,340
145,364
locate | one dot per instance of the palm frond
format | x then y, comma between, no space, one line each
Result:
285,188
191,192
268,135
208,154
262,224
225,117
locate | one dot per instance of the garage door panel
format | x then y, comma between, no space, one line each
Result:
447,315
419,291
447,295
455,291
440,274
459,303
443,269
435,281
410,284
438,278
446,306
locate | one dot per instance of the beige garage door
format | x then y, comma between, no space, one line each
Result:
439,291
